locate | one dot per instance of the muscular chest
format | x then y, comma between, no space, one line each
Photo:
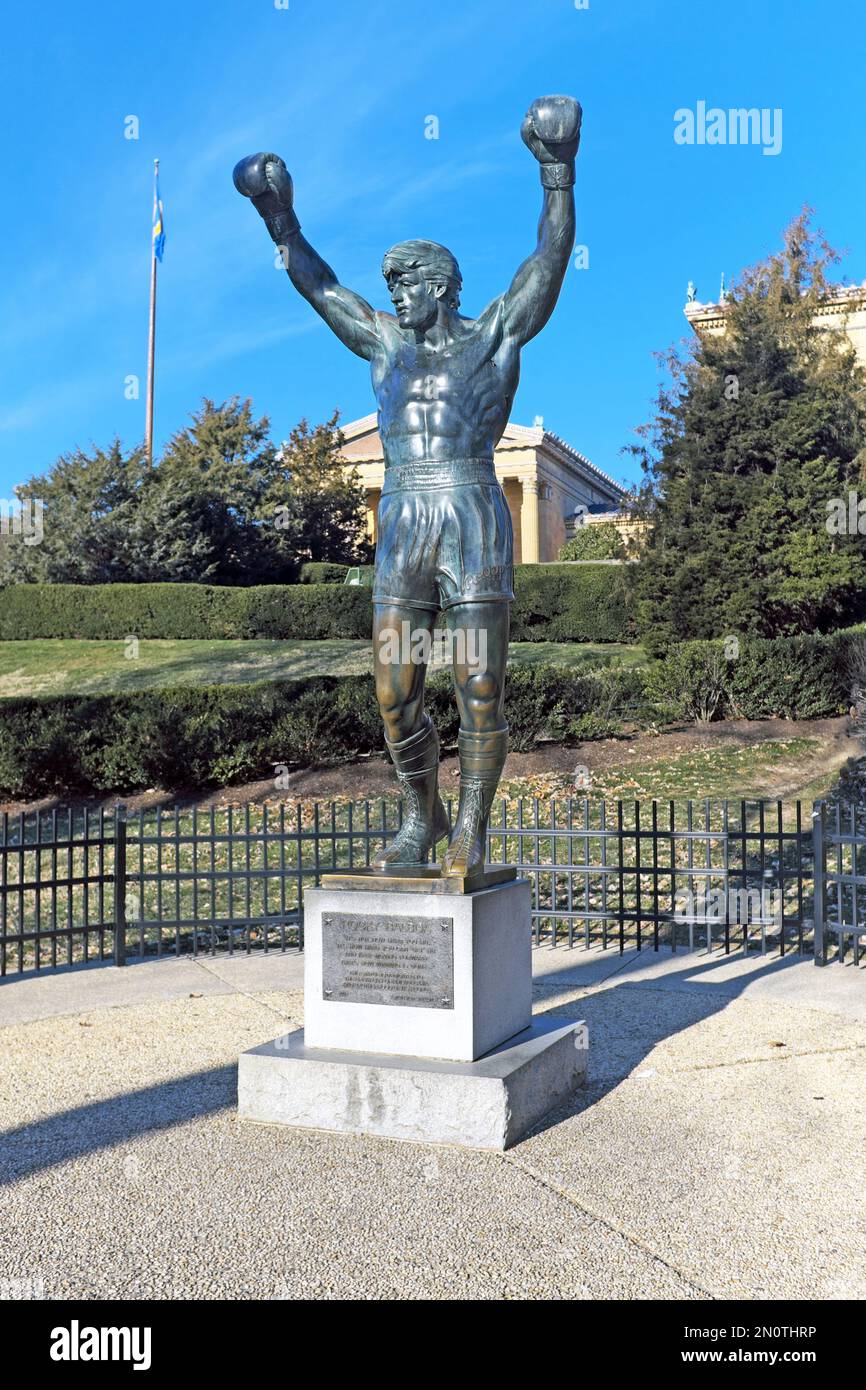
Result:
413,379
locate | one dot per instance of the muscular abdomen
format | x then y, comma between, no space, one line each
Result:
441,414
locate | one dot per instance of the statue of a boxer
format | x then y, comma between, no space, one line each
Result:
444,386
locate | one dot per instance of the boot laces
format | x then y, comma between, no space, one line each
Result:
413,818
473,814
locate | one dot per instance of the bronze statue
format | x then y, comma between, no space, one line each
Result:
444,386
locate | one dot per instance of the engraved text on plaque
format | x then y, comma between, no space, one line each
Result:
388,960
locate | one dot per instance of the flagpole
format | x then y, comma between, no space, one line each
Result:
151,344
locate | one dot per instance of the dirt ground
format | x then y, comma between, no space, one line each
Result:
833,746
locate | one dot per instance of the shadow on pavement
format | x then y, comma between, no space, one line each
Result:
105,1124
628,1017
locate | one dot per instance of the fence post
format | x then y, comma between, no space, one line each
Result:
120,884
820,943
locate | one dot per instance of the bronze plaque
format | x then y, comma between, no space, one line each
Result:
388,960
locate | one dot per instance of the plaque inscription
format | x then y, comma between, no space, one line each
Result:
388,960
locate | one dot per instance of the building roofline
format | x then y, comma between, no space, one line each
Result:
837,297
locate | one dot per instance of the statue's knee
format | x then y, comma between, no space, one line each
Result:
483,693
392,704
398,708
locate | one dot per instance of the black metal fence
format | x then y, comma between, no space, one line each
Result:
79,885
61,899
840,849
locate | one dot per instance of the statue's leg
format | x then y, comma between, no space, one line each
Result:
400,666
479,637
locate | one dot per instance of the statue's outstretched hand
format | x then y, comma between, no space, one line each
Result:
265,179
551,130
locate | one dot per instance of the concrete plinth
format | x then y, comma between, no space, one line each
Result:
486,1104
455,983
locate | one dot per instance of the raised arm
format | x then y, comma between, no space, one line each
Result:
551,129
265,179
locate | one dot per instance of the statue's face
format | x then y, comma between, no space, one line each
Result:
416,301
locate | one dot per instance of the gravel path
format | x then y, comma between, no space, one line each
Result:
711,1156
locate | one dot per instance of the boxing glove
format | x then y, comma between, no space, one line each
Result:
551,131
265,180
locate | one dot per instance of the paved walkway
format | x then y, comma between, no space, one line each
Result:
717,1151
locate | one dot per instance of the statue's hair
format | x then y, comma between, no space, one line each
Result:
435,263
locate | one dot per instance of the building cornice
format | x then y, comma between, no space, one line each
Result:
840,300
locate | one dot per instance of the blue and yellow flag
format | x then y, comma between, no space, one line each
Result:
158,219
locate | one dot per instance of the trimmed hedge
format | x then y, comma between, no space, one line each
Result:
571,603
322,572
792,677
209,736
198,737
183,611
763,678
554,603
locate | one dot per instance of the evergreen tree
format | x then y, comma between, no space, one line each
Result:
315,508
201,512
759,431
91,502
223,505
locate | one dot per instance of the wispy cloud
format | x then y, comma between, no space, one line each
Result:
230,345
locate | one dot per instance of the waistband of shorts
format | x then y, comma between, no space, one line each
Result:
432,473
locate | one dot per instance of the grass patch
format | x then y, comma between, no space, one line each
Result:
753,772
60,666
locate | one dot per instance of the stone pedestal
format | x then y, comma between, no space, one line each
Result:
417,974
418,1018
488,1104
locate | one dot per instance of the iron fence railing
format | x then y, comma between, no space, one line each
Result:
60,899
840,898
79,885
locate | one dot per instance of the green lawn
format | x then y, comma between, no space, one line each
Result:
61,667
797,767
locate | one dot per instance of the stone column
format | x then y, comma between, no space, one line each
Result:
514,498
371,509
529,523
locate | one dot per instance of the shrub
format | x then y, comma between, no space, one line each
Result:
600,704
323,572
569,706
308,612
594,541
791,677
781,677
186,736
533,697
205,736
690,682
571,603
114,610
184,611
554,603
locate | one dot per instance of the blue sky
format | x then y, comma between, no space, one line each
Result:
342,91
